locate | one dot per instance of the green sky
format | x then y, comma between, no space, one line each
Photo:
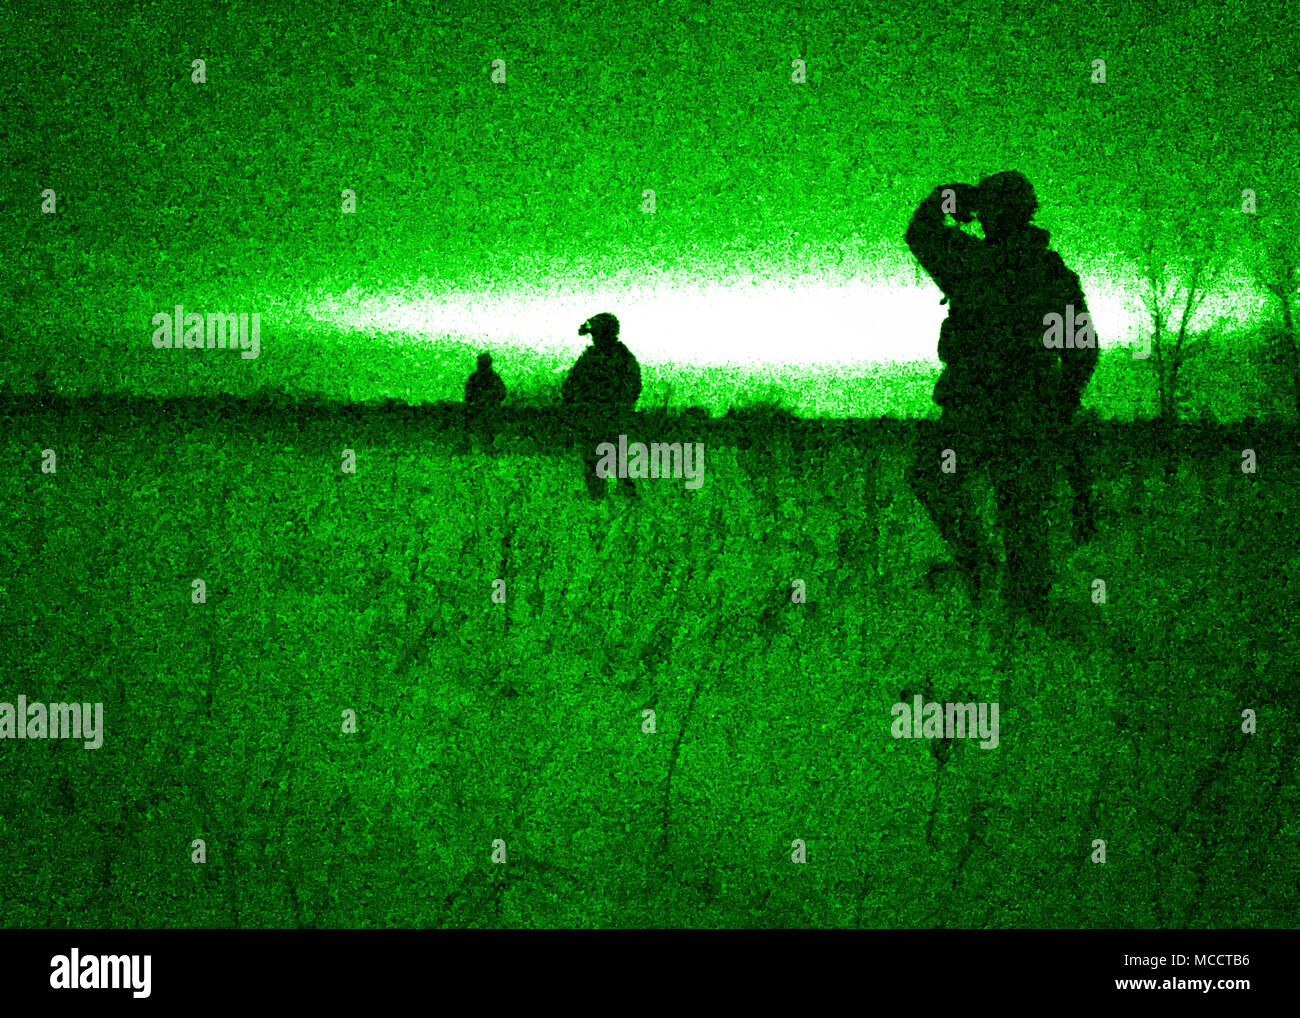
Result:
508,212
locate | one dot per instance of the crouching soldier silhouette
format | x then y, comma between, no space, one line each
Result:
484,394
599,396
1007,396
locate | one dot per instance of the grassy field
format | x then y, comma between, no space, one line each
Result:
329,592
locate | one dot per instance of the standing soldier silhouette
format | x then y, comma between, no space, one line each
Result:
599,395
1007,398
484,394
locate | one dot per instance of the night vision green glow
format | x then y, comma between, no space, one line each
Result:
434,611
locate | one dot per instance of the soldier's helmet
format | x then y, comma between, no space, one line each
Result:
602,327
1008,198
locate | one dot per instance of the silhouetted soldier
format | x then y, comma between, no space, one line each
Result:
599,396
484,394
1007,399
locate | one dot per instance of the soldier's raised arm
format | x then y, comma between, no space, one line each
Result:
944,251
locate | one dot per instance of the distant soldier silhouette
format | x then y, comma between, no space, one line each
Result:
1007,400
599,395
484,394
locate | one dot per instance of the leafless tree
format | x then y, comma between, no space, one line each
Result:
1177,282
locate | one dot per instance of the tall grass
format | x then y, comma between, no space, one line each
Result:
523,721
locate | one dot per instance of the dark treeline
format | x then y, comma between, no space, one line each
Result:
522,429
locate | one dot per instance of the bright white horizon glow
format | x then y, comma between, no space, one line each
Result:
808,321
